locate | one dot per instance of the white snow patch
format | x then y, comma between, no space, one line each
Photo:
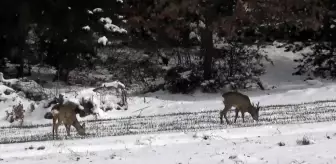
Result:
116,84
114,28
193,35
201,24
7,81
106,20
89,12
103,40
97,10
86,28
121,17
185,75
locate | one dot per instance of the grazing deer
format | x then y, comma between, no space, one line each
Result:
88,107
66,114
241,102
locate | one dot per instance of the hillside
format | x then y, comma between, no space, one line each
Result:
186,127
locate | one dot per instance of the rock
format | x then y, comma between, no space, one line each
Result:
41,148
8,91
281,144
31,89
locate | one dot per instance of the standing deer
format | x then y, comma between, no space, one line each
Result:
88,107
66,114
241,102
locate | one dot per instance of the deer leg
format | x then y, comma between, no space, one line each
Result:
224,113
237,111
53,128
242,113
221,113
67,127
56,129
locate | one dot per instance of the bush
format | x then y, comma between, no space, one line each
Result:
235,65
17,113
321,62
31,89
182,80
240,66
210,86
305,141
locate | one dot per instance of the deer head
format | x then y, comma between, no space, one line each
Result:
254,111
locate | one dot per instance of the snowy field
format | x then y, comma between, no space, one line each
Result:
240,145
148,139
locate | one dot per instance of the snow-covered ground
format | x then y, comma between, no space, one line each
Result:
241,145
237,145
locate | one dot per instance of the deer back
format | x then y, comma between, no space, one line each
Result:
67,113
238,100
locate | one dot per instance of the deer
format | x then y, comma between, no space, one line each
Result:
87,104
66,113
242,104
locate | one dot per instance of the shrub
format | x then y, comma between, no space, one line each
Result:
305,141
235,64
321,62
240,66
182,80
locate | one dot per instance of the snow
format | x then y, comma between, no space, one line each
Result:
201,24
86,28
228,145
185,75
121,17
247,145
7,81
97,10
193,35
115,84
89,12
106,20
103,40
111,27
114,28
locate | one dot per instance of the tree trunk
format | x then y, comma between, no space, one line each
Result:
62,74
207,51
20,68
23,22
